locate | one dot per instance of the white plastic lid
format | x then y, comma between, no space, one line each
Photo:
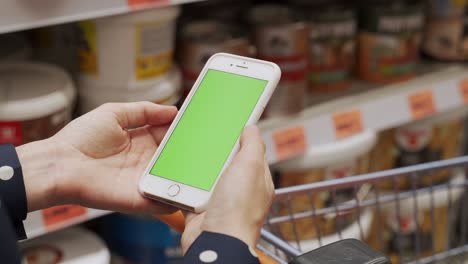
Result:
329,154
150,15
70,246
33,90
162,89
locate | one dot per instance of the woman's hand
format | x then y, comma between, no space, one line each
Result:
242,197
97,159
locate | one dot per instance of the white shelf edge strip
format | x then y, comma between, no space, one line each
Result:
389,109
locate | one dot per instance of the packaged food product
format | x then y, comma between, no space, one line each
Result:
141,240
447,38
167,91
57,45
436,138
332,47
281,37
199,40
340,159
70,246
35,101
14,47
404,221
127,49
389,40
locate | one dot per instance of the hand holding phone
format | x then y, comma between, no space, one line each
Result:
242,197
230,93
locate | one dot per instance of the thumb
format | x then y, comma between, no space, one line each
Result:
252,147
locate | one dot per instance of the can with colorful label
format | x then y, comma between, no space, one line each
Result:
281,37
199,40
332,47
446,31
389,40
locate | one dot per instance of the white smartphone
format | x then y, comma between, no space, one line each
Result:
230,93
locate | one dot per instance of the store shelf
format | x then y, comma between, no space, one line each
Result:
49,220
27,14
438,88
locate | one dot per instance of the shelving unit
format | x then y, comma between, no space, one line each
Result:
42,222
438,88
21,15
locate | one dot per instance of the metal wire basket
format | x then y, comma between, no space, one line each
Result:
414,214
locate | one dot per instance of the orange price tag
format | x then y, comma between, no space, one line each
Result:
62,213
133,3
289,142
464,90
348,123
421,104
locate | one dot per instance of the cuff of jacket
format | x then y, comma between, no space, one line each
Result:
218,248
12,190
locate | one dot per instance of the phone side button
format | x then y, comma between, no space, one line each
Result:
173,190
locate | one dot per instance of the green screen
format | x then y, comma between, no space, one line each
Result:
209,128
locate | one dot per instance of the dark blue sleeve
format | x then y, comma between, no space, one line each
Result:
9,253
12,190
218,248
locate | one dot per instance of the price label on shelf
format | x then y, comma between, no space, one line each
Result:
348,123
289,142
62,213
421,104
464,90
134,3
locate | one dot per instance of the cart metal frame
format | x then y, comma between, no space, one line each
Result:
274,245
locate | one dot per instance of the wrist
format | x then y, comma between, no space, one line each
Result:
39,166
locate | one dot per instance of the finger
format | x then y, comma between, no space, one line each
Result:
252,147
158,132
130,115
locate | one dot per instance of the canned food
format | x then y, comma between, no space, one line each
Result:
281,38
447,38
332,47
389,40
200,40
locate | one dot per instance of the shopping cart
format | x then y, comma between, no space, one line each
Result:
416,214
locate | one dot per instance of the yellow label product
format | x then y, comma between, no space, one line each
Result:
87,48
153,57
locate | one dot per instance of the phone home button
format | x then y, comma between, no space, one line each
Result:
173,190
